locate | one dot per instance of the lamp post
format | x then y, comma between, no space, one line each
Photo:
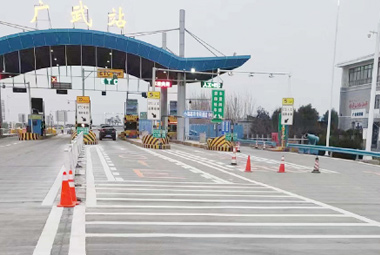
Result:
332,79
368,142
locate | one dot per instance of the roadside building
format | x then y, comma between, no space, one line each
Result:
355,96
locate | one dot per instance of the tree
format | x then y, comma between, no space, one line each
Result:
261,123
334,119
275,118
305,121
239,107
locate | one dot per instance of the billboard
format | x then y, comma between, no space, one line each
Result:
132,107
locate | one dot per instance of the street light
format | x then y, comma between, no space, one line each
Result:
368,142
332,80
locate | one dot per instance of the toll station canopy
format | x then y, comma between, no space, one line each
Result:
28,51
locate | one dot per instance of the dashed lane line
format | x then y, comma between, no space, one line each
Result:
201,200
106,168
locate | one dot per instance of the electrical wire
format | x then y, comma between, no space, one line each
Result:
24,28
204,43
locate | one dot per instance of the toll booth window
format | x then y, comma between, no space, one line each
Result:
130,125
172,128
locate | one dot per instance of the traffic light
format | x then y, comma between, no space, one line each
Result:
144,95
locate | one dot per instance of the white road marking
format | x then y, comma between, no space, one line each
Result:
182,186
214,178
90,181
230,224
189,194
208,183
52,194
116,174
106,168
78,232
232,236
46,240
119,179
192,190
111,164
15,143
113,168
213,207
201,200
221,214
353,215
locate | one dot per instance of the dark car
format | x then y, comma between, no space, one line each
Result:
107,131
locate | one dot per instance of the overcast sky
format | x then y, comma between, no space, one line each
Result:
294,36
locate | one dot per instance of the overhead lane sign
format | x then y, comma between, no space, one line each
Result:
110,73
211,85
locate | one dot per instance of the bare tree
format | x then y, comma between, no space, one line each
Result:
200,101
239,107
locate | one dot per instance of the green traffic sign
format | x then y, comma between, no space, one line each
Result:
156,133
85,130
217,105
231,136
108,81
211,85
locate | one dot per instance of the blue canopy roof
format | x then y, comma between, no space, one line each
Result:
56,37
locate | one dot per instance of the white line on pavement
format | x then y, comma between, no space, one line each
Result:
46,240
219,214
208,183
190,194
116,174
230,224
182,186
90,181
213,207
119,179
308,200
113,168
232,236
106,168
78,232
52,194
201,200
215,178
192,190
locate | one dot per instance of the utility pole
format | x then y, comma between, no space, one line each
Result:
368,142
181,96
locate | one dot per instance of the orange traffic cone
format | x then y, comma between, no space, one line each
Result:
72,188
234,161
248,166
66,200
282,166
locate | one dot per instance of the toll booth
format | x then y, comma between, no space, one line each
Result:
172,127
131,126
36,124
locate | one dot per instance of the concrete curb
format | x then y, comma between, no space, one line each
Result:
198,145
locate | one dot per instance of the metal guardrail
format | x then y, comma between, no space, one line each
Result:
335,149
257,142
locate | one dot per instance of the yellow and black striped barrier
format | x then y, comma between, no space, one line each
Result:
89,139
151,142
219,144
28,136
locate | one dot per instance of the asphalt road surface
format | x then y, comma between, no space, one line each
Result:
185,201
